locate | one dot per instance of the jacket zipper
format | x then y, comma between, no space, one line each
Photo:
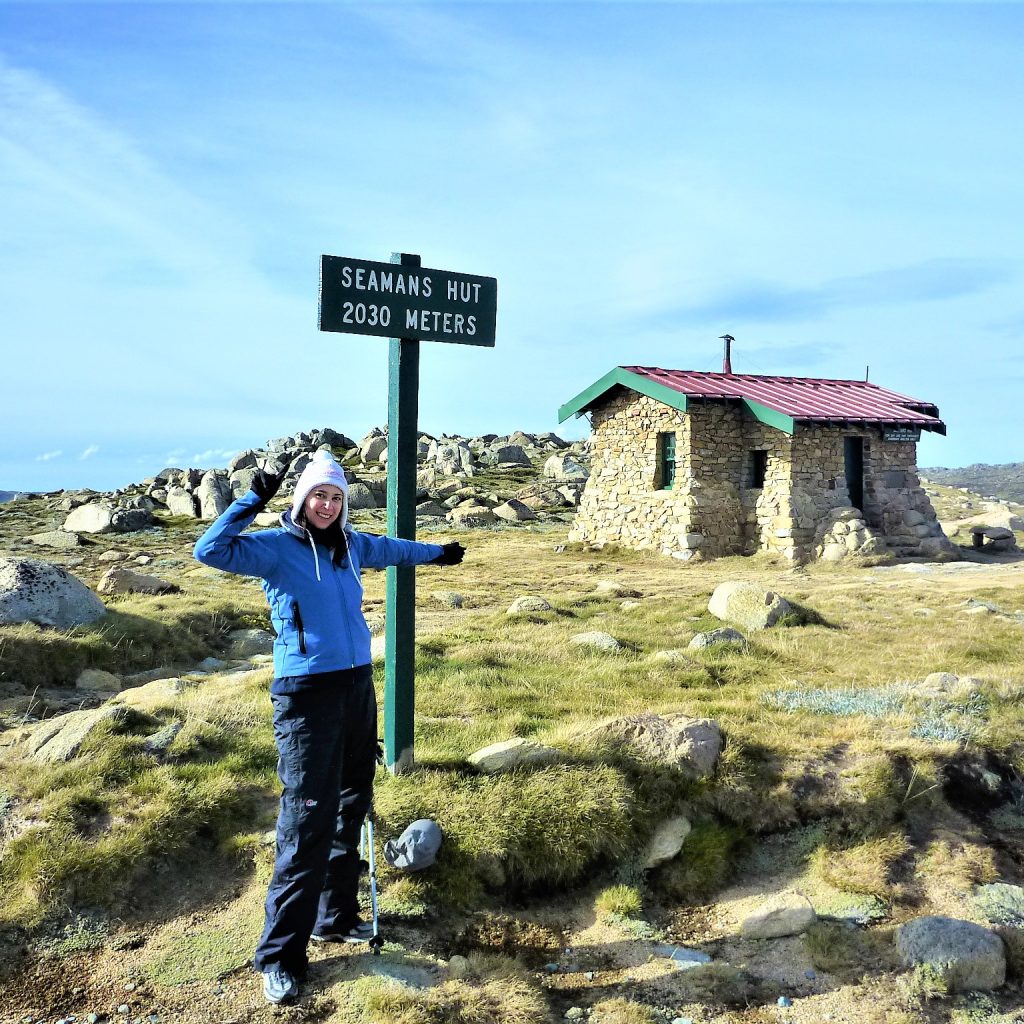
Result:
298,625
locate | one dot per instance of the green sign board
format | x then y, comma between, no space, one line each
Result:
407,303
390,300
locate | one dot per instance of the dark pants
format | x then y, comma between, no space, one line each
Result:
326,737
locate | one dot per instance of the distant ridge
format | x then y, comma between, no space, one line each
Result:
1002,481
8,495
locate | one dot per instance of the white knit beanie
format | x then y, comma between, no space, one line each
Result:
322,469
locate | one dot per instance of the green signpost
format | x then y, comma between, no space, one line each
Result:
406,303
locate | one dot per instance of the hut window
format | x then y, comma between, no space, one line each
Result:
666,461
758,467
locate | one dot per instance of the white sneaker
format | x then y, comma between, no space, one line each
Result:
279,986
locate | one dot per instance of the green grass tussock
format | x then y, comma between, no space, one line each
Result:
618,901
102,821
534,829
137,633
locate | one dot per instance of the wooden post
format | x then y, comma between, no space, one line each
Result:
400,607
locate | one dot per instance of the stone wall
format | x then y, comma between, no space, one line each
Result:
802,510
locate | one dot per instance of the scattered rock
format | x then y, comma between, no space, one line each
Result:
471,515
246,643
514,753
723,635
673,657
666,842
596,640
514,511
971,957
747,605
528,603
160,742
692,745
119,580
786,913
60,739
612,588
35,591
565,467
1001,903
448,598
97,679
59,539
92,518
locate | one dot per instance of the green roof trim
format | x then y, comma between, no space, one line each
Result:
772,417
633,381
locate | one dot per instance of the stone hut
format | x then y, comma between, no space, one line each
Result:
720,463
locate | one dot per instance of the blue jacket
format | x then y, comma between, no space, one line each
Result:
315,606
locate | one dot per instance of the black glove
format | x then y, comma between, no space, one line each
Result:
451,554
265,485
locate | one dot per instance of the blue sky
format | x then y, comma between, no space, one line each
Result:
836,185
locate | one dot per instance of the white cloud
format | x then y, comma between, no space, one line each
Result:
89,452
212,455
46,456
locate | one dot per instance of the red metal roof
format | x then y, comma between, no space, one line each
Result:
803,398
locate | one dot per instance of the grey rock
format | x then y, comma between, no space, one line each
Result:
1001,903
245,643
596,640
673,657
724,635
92,518
119,580
565,467
514,753
371,449
361,496
528,604
540,496
181,503
35,591
214,494
97,679
243,460
972,957
666,841
241,481
747,605
60,539
471,515
159,743
510,455
692,745
613,588
514,511
448,598
431,508
60,739
130,520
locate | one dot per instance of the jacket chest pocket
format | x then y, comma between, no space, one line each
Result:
300,631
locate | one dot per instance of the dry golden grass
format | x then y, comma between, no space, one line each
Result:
865,868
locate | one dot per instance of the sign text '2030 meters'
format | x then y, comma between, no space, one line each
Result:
394,301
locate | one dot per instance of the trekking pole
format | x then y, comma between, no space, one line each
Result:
376,941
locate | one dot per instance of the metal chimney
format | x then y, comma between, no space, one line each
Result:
726,358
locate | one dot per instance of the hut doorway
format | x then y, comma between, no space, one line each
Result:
853,458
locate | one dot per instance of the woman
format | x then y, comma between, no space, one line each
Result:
325,711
